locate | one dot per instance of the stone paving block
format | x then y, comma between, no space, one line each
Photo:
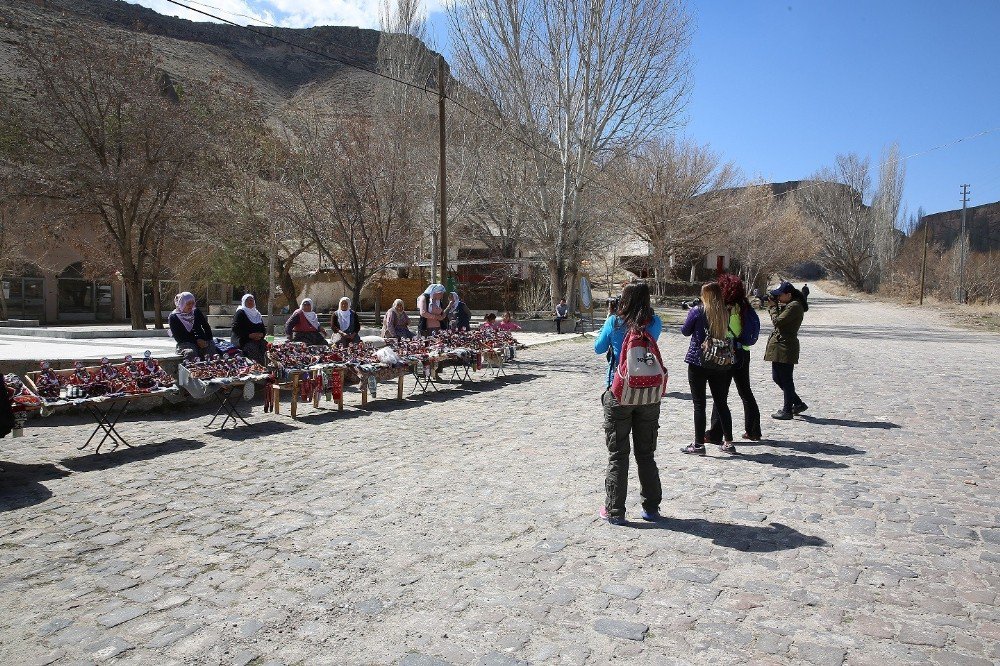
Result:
633,631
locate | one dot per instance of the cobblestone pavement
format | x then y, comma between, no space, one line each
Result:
463,528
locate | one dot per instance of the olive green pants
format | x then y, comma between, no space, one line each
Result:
642,422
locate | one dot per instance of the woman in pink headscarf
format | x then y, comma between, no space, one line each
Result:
190,329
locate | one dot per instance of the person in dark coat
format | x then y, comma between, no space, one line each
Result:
249,330
742,319
787,307
304,326
459,313
190,329
345,321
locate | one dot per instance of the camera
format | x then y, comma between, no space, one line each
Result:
693,303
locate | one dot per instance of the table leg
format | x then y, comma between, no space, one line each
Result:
399,387
276,397
364,392
340,400
295,394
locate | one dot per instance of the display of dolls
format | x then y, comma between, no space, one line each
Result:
48,384
151,370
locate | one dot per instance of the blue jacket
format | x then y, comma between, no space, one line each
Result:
612,336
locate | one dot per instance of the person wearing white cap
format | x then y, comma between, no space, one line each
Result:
249,330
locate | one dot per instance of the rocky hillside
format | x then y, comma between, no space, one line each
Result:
280,74
982,223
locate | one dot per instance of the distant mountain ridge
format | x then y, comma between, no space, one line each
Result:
279,73
982,223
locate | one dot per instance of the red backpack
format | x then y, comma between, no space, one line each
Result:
640,378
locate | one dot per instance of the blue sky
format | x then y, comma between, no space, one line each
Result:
782,87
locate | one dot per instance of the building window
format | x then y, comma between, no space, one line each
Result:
79,299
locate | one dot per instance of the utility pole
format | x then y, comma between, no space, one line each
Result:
923,262
271,269
961,250
442,174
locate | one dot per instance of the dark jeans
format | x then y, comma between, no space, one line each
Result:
718,382
559,321
751,412
642,421
782,374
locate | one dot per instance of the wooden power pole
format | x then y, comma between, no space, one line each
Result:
923,263
442,175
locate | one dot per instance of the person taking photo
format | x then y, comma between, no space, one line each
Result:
641,421
744,324
710,360
787,307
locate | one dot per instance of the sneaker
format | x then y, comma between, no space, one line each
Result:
696,449
651,516
614,520
747,437
782,415
799,408
709,440
729,447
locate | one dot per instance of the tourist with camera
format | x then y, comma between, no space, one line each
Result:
787,307
710,358
744,324
634,313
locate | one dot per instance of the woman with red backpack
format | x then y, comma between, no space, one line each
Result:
633,317
710,360
745,325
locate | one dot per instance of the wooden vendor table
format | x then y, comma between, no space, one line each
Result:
293,384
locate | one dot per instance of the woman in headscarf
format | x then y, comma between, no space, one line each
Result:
431,312
190,329
397,322
345,321
304,326
249,330
459,313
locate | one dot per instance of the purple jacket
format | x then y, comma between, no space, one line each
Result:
694,326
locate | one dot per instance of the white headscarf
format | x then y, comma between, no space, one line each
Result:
344,316
310,316
430,291
180,301
253,314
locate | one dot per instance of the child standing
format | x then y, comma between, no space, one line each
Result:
508,324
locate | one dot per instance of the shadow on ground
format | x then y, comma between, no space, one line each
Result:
256,429
811,447
21,487
849,423
785,461
744,538
123,456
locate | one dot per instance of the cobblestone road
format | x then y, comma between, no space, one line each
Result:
462,528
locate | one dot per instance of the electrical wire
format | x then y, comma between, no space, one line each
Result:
321,54
586,181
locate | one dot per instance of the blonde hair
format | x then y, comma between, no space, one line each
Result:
715,310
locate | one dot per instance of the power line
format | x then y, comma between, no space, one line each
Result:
322,54
587,181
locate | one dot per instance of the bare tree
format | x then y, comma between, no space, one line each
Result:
573,79
670,190
766,234
857,240
111,138
351,198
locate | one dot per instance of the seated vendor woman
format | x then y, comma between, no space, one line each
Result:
397,323
345,322
190,329
249,330
304,326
